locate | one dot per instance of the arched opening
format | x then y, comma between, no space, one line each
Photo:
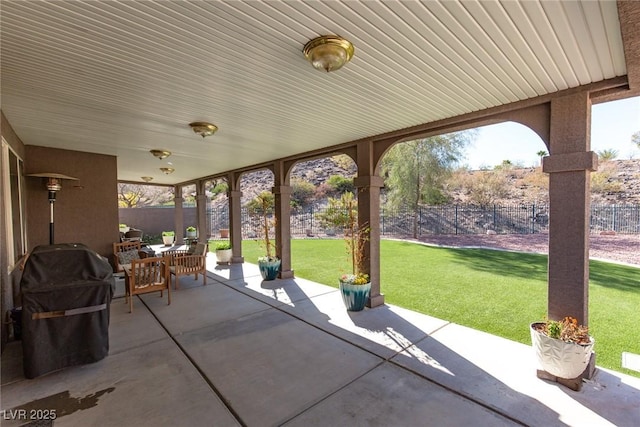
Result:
315,183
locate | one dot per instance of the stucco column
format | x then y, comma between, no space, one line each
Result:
282,195
201,213
369,215
569,166
235,225
178,216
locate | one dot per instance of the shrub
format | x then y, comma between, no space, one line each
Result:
221,246
603,181
302,192
341,184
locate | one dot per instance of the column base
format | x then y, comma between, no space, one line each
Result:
287,274
237,260
375,301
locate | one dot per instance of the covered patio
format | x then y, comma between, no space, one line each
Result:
240,351
91,89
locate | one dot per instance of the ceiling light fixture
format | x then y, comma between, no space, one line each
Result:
146,178
328,53
167,171
160,154
203,128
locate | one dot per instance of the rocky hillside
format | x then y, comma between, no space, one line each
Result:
316,172
615,182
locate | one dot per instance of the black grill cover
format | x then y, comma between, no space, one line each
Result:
66,295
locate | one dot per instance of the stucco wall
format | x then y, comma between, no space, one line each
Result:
156,220
86,211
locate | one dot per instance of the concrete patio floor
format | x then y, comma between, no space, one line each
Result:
240,351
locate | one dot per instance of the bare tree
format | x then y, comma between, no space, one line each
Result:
138,195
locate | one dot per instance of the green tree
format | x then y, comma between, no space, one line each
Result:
416,171
607,155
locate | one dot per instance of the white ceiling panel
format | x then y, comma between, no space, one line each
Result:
124,77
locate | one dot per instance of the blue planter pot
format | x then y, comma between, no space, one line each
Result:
355,297
269,269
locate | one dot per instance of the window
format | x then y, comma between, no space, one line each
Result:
14,203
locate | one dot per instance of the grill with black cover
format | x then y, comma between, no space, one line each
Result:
66,294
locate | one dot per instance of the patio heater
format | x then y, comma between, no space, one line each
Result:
53,183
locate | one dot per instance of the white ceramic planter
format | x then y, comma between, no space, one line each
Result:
562,359
224,255
167,240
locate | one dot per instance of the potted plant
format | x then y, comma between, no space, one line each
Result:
262,206
223,252
123,228
355,286
563,348
168,237
191,232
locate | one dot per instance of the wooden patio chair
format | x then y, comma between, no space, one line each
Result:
124,253
147,275
185,263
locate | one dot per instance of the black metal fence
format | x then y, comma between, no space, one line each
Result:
447,219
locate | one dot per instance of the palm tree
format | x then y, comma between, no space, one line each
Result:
541,154
607,155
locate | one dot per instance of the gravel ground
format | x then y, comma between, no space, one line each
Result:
620,248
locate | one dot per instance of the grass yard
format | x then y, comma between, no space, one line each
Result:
493,291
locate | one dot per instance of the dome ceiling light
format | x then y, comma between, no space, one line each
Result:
167,171
147,178
328,53
203,128
160,154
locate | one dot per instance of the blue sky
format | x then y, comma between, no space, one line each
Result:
612,124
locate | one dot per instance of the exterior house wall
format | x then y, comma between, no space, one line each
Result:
6,288
85,211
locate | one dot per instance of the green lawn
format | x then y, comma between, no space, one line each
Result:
493,291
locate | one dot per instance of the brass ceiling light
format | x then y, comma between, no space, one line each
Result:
328,53
167,171
203,128
147,178
160,154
